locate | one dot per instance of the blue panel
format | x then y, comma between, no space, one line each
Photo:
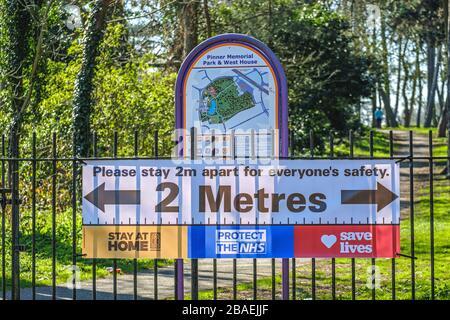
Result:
241,241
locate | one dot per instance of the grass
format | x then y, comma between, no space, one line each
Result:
361,145
420,130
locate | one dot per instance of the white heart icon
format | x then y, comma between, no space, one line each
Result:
328,240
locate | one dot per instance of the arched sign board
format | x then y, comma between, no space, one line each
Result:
233,83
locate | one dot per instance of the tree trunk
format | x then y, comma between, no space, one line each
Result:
443,121
374,106
17,25
82,102
190,35
385,90
207,18
431,57
440,95
406,109
419,80
270,24
399,74
432,92
445,118
413,99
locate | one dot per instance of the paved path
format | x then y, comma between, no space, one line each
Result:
165,281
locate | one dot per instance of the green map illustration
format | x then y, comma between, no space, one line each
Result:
223,101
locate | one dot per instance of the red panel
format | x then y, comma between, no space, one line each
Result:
349,241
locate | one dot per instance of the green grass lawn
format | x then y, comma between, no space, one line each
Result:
361,146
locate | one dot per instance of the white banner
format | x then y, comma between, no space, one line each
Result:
148,192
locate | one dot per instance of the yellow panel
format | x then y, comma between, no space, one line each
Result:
129,242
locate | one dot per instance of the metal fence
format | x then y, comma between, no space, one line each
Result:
22,182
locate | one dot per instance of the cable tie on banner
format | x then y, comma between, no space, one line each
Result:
81,160
405,255
403,159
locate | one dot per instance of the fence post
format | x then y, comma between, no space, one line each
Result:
313,260
194,262
285,261
15,229
155,261
393,265
353,261
94,261
179,274
3,227
411,217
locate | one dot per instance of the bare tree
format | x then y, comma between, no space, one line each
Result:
444,123
430,108
399,74
384,88
419,80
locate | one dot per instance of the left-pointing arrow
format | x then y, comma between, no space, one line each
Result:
100,197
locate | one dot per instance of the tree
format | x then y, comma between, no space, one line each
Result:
82,101
327,78
432,88
190,26
207,18
419,79
401,54
22,54
444,122
385,85
407,106
423,19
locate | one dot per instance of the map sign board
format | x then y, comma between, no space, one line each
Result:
232,83
198,195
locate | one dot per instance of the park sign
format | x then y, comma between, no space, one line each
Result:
232,85
240,208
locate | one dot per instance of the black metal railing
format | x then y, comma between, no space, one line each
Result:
20,193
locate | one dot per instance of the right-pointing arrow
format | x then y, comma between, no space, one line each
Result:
381,197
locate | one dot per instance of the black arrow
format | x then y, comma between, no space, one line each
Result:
381,197
100,197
